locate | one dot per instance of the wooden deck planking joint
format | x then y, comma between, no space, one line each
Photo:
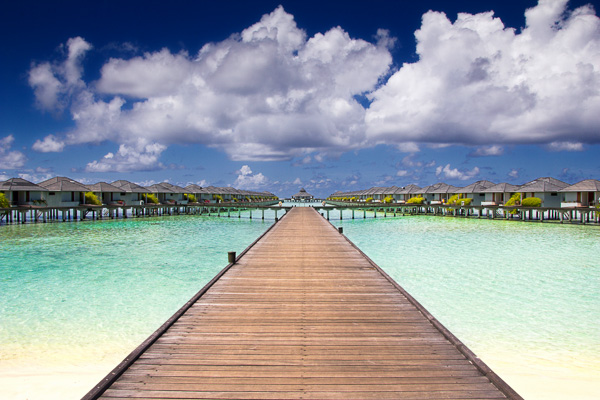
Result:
303,314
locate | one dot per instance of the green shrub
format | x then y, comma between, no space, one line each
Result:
3,201
353,198
514,200
191,198
388,199
91,198
532,202
452,200
415,200
152,199
368,200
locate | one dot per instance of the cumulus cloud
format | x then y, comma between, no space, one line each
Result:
479,82
268,93
10,159
454,173
271,93
246,179
50,144
514,173
565,146
402,172
143,157
486,151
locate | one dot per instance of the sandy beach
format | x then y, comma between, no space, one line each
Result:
70,381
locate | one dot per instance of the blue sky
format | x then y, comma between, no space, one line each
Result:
278,95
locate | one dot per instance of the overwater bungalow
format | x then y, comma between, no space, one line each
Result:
107,193
405,193
582,194
20,192
303,195
475,191
439,193
545,189
132,194
163,193
177,195
498,194
64,192
194,190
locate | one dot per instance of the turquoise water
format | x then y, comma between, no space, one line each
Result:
525,297
100,288
522,296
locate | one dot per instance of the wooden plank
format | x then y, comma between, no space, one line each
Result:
304,314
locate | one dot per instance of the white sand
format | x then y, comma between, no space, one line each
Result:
70,381
50,382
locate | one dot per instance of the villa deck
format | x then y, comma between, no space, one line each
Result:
302,314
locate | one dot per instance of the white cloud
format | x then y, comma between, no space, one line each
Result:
409,161
268,93
486,151
297,181
565,146
479,82
402,172
454,173
247,180
50,144
10,159
513,173
271,93
54,84
142,157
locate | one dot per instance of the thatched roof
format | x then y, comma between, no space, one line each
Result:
408,189
303,194
20,185
193,189
588,185
501,188
174,188
543,185
63,184
129,187
476,187
103,187
159,188
441,187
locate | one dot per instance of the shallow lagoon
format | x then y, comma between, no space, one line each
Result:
523,296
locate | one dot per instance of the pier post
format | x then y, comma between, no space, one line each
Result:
340,214
365,213
263,214
327,215
231,257
352,214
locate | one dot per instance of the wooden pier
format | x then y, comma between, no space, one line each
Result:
34,214
302,314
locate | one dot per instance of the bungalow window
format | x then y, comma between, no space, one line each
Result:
51,193
122,194
554,194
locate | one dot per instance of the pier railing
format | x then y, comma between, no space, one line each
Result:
40,213
580,215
